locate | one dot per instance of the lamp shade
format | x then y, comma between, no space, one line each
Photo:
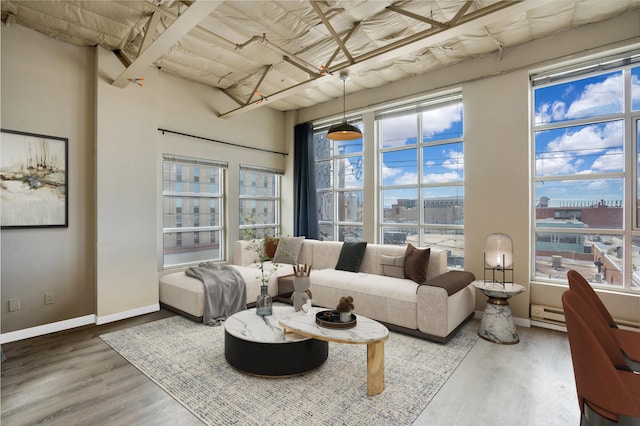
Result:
344,132
498,251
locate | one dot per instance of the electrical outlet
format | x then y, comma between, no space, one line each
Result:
14,305
48,299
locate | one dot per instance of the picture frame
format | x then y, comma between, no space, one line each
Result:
34,179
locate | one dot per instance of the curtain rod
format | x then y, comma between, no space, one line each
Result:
222,142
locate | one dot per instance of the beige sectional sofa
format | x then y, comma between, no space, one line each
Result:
434,310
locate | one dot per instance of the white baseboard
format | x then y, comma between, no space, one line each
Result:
127,314
40,330
550,326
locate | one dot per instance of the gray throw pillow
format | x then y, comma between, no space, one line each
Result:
288,250
351,256
392,266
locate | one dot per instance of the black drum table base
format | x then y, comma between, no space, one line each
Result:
274,359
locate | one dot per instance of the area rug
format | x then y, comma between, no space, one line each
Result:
186,359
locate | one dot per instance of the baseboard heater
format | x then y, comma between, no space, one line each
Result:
555,316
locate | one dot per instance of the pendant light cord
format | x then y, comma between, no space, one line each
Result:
344,100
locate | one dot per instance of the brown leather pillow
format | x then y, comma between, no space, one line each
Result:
270,246
416,262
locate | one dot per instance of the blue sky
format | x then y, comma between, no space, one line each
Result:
582,149
570,150
442,163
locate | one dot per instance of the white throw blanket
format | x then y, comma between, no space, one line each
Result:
224,291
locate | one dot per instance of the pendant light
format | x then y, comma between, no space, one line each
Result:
344,131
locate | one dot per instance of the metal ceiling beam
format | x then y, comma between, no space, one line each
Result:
461,12
417,17
255,89
477,19
237,48
344,40
151,31
181,26
333,32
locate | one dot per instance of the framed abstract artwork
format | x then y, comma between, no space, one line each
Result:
33,180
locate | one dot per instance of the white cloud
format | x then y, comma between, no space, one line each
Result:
596,185
596,98
406,179
555,163
563,154
597,95
594,138
612,160
441,119
388,172
455,159
551,112
441,177
397,130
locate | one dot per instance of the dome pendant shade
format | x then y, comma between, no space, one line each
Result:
344,132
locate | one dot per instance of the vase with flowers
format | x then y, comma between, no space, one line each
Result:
256,242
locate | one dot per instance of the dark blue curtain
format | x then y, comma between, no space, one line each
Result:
305,221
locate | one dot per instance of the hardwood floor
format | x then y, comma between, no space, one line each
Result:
74,378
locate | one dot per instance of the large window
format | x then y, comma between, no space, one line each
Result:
192,194
585,136
259,200
339,185
421,173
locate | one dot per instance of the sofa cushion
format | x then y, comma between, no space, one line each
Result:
351,256
270,246
288,250
416,262
392,266
386,299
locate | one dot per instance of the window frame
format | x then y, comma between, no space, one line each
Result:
336,194
251,224
420,225
177,193
629,175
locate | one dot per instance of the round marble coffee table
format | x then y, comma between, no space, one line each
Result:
497,322
258,345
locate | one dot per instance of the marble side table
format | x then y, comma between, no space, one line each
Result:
497,323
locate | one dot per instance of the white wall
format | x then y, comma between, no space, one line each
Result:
48,88
126,278
106,264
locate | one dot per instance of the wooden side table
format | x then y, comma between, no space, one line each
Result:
367,331
497,324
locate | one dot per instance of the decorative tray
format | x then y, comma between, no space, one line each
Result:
331,319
